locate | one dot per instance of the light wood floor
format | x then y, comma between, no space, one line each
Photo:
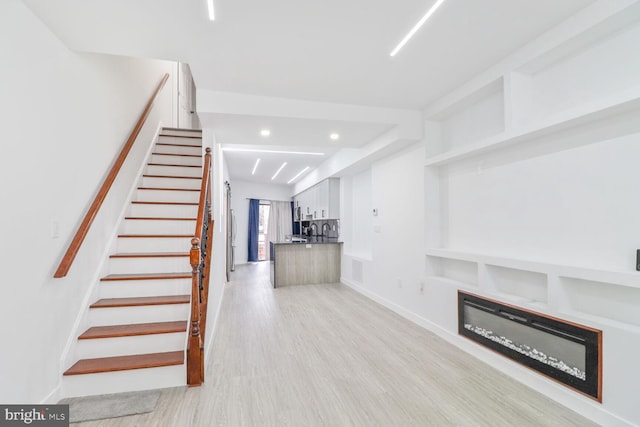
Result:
323,355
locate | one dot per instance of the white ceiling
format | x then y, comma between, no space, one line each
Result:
331,51
299,135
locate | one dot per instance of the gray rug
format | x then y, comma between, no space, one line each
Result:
111,405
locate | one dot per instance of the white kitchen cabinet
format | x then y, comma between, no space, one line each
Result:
322,201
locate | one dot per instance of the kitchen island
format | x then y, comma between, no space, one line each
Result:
303,263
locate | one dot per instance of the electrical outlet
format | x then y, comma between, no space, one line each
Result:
399,283
422,286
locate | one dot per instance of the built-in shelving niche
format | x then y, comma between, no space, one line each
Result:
453,271
570,77
478,115
560,94
602,300
528,285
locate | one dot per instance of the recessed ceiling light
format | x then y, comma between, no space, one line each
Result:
406,38
297,175
334,136
278,171
212,16
251,150
265,132
253,172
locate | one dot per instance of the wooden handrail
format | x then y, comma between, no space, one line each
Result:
204,189
83,229
200,277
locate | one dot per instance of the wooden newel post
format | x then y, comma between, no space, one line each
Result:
194,356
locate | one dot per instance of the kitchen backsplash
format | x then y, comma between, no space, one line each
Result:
326,227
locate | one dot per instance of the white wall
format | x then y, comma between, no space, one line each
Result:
575,207
219,261
394,267
241,191
64,117
356,214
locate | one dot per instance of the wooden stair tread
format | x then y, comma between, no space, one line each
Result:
150,255
172,176
179,155
168,144
168,189
174,165
181,136
145,276
134,330
141,301
174,129
155,236
159,218
124,363
165,203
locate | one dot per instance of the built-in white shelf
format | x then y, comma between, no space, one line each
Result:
573,119
504,297
622,278
606,296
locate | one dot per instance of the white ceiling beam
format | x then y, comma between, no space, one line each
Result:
235,103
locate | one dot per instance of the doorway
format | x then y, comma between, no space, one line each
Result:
263,230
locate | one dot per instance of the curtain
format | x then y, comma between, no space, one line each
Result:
254,223
280,221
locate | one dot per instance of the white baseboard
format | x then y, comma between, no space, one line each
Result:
54,396
209,346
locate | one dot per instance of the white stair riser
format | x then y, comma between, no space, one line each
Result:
178,140
124,346
123,381
148,265
176,149
157,226
139,314
152,244
174,171
162,210
161,182
176,160
143,288
167,196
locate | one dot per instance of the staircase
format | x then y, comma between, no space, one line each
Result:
138,332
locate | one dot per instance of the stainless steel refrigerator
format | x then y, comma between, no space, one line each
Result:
231,233
232,238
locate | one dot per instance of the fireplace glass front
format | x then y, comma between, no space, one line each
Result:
565,351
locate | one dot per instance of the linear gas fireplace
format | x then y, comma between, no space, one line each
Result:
567,352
